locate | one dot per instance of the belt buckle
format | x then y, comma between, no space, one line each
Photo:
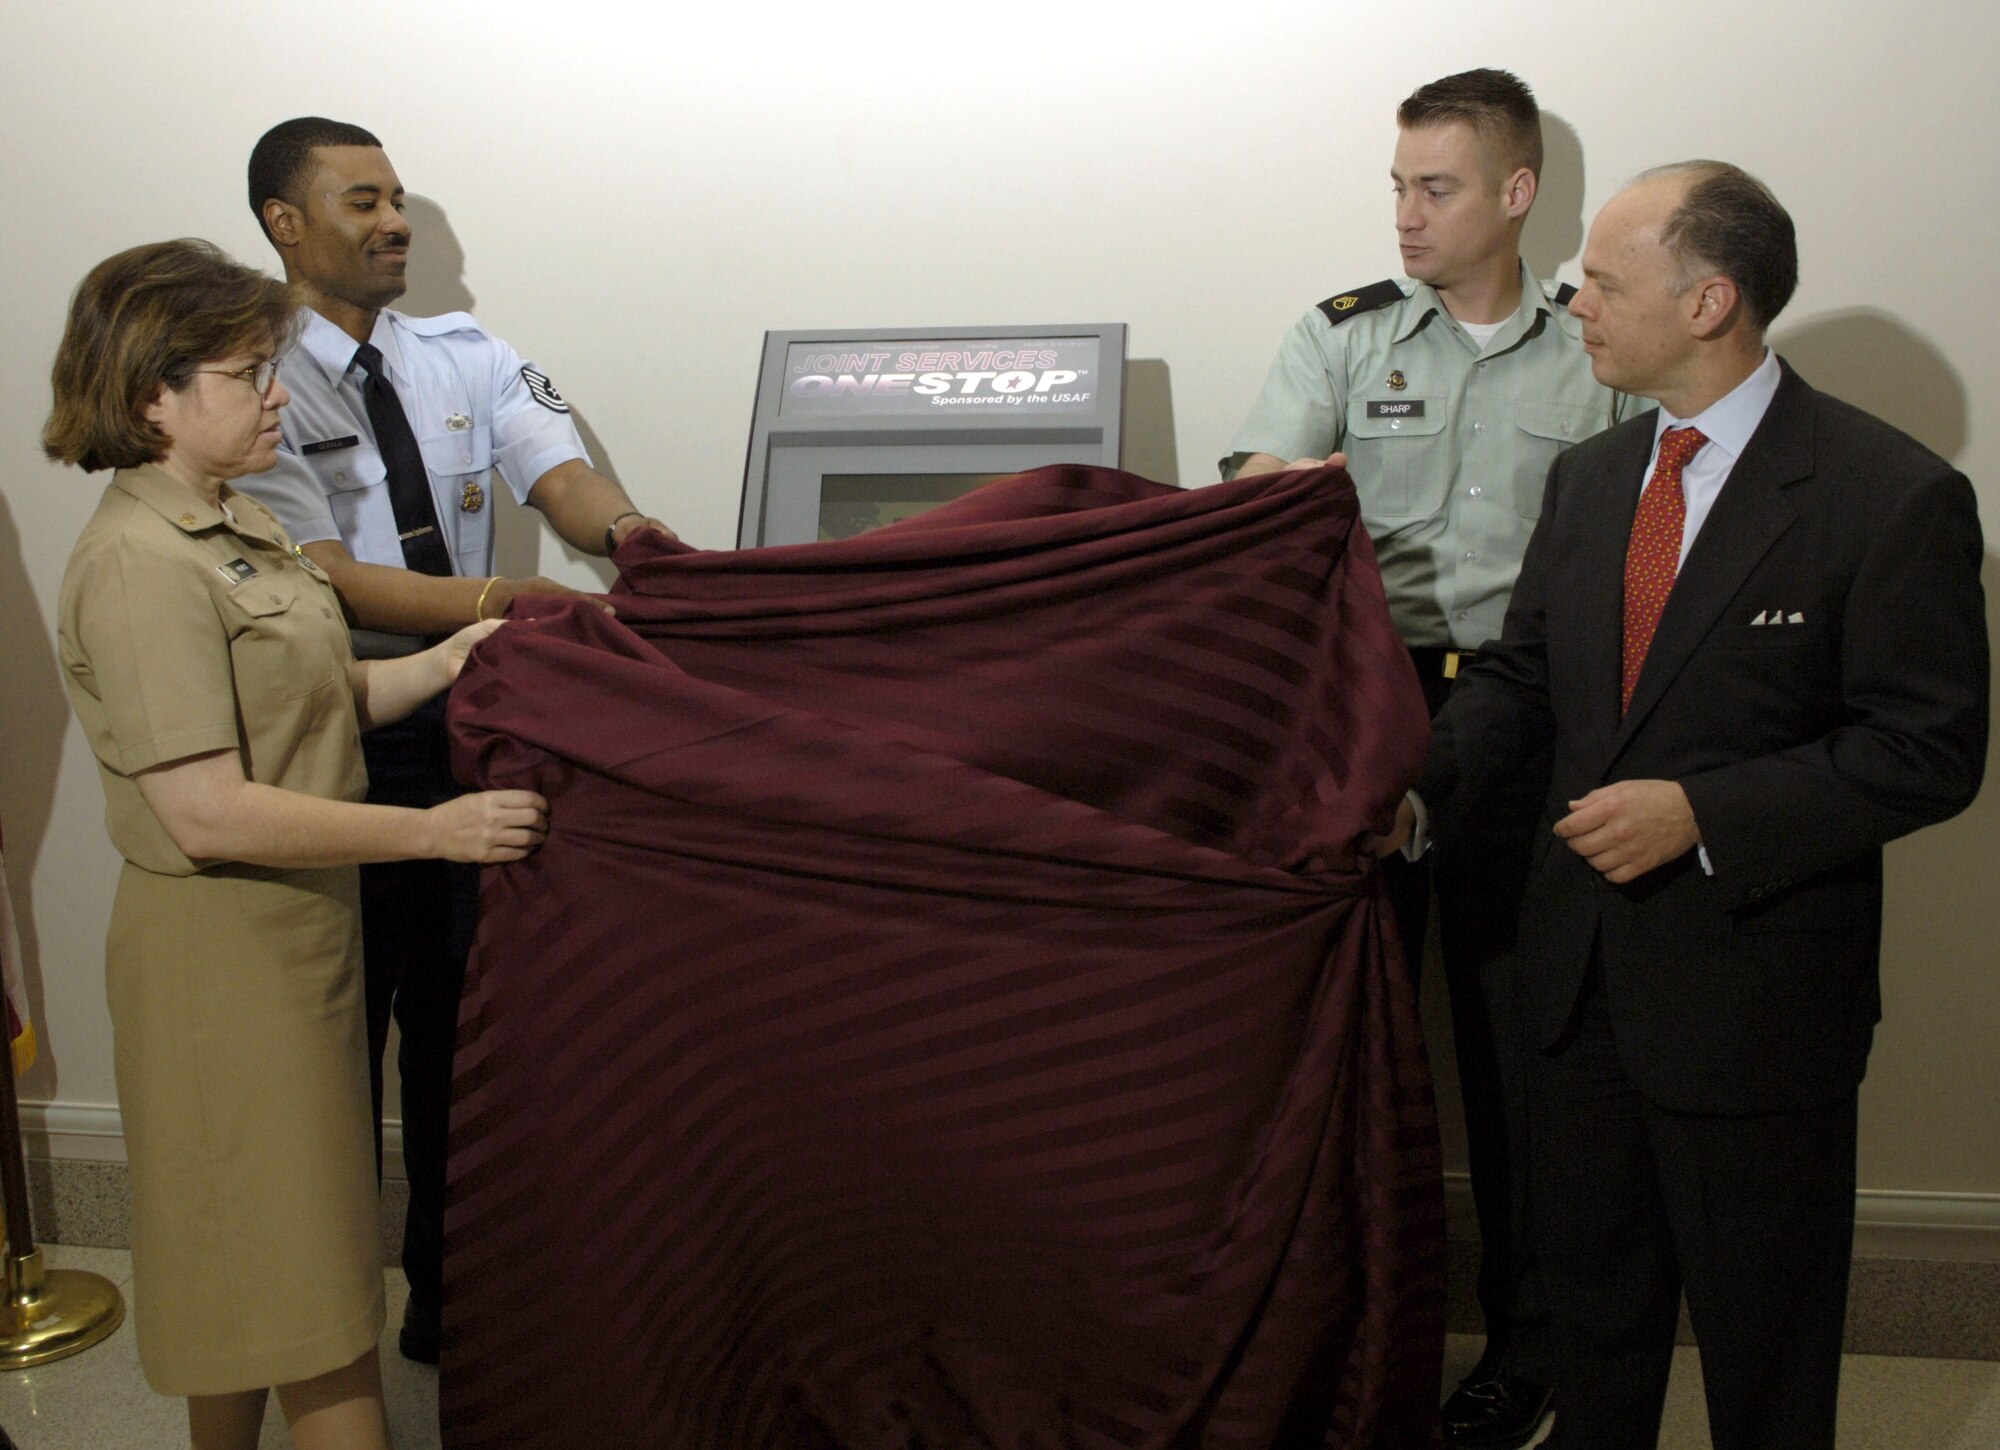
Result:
1451,664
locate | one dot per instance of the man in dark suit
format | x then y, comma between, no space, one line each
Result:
1751,625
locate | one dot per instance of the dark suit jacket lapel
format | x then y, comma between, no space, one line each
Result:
1756,505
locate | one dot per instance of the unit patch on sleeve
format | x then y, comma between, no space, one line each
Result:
544,390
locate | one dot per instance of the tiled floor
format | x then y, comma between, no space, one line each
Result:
98,1401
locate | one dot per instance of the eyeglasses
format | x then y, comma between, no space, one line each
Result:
258,375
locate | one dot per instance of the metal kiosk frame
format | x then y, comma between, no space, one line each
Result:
943,407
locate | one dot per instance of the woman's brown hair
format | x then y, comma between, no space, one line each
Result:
143,320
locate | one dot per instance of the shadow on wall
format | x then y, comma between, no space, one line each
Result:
1938,926
436,279
516,528
1554,233
37,714
1875,361
436,274
1938,923
1148,430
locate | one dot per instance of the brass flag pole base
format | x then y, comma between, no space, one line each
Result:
49,1313
52,1313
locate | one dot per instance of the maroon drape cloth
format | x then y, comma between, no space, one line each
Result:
948,1010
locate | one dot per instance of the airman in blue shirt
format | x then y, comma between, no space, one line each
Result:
399,431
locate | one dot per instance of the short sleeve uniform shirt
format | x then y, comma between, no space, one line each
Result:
1449,443
186,628
474,405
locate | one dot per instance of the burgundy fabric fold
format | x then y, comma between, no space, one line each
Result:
950,1008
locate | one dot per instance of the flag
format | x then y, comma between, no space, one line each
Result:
20,1031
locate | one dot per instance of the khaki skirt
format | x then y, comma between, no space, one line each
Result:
241,1054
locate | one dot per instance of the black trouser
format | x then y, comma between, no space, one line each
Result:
417,924
1478,884
1752,1215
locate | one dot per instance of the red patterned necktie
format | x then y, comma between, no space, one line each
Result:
1653,554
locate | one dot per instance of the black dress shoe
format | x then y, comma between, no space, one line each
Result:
1494,1410
423,1329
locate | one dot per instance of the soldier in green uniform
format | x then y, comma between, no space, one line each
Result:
1450,391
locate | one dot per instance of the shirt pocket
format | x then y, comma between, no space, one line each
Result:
1401,465
350,470
271,649
461,460
458,451
355,483
1547,428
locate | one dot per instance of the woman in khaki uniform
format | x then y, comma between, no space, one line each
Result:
208,663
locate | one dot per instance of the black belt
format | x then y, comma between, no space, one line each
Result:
1439,662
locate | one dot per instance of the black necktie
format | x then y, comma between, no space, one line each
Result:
409,485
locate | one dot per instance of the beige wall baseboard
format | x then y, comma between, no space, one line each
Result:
1889,1223
1926,1278
1934,1308
95,1133
1960,1227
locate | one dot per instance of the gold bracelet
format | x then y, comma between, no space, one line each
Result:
479,609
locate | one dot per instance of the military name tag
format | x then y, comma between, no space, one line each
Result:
1399,408
237,570
330,445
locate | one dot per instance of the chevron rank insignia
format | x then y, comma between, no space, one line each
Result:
543,390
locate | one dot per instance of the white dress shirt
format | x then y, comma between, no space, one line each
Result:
1727,424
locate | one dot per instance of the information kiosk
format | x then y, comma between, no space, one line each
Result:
853,430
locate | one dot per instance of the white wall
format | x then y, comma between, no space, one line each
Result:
634,194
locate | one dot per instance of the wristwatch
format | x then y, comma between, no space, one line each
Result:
611,530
